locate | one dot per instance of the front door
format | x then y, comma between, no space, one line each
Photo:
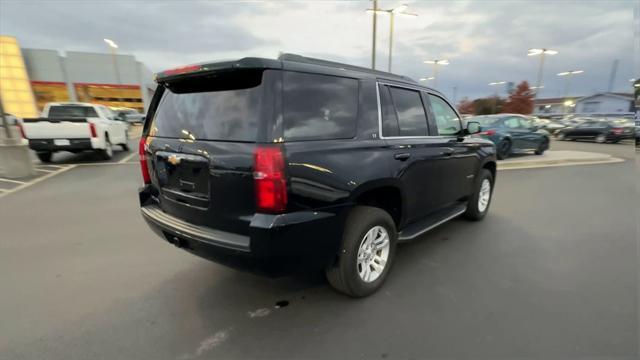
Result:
459,159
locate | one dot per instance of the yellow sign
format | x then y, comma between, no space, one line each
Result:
15,90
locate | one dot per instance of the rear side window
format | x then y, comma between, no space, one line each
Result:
318,107
72,111
219,107
412,119
389,117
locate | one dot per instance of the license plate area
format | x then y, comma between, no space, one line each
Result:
183,178
61,142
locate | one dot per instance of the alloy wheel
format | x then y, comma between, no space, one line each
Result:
373,254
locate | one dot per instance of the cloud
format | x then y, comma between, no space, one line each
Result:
484,40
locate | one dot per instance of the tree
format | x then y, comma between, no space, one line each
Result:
466,107
490,105
521,101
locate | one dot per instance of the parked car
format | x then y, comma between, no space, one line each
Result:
512,133
548,125
75,127
598,130
130,115
306,163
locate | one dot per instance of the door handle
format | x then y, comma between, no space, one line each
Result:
402,156
447,152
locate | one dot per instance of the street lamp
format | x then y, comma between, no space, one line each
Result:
436,63
495,98
112,48
427,78
541,53
569,74
400,10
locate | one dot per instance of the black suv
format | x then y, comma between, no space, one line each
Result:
273,165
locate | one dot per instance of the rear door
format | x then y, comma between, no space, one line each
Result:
517,132
415,154
202,135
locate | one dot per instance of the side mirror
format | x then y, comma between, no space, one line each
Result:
473,127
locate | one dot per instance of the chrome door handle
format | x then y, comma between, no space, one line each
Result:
402,156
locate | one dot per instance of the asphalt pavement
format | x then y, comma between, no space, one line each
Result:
551,273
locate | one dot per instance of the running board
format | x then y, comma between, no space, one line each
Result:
437,218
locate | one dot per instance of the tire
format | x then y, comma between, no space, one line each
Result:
503,149
601,138
544,145
354,257
45,157
475,210
560,136
107,153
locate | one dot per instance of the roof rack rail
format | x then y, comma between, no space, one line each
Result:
314,61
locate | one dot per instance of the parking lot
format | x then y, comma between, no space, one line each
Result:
552,272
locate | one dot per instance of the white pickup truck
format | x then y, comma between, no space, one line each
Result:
75,127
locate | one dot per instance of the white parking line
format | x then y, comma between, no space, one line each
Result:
12,181
49,171
127,158
35,181
3,190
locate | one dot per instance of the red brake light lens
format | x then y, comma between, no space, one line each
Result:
269,179
182,70
143,160
92,127
618,130
488,132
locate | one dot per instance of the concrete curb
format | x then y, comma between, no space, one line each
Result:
558,158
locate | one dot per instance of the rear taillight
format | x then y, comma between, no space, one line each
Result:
618,130
21,129
143,160
487,132
92,128
269,179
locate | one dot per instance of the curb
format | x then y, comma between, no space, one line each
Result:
556,163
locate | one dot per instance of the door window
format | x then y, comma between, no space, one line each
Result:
319,106
446,118
412,119
512,123
389,118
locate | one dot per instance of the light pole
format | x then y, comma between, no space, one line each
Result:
400,10
373,46
495,98
569,74
436,63
112,48
427,78
540,52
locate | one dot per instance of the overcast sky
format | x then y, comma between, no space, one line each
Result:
485,41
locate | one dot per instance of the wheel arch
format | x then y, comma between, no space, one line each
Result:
384,194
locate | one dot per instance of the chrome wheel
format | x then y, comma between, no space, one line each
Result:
485,195
601,139
373,254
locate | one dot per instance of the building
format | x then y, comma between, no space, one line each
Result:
112,80
605,103
599,103
108,79
548,106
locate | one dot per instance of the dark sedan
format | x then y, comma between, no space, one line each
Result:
598,130
512,133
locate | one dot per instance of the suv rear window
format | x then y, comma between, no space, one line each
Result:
72,111
223,106
319,107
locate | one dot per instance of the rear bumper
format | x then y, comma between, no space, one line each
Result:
276,244
622,136
48,145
